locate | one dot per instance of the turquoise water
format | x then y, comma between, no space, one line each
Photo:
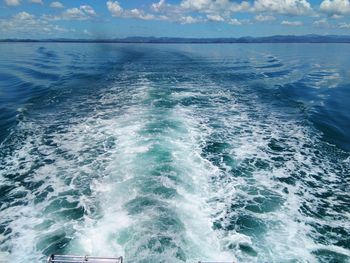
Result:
175,153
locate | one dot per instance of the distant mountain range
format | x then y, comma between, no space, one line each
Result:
178,40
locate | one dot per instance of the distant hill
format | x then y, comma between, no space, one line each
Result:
175,40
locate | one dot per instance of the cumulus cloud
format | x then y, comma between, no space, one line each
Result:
335,7
29,24
116,10
215,18
287,7
56,5
344,25
321,22
235,22
138,13
325,23
84,12
74,14
227,7
88,10
12,2
212,6
202,4
207,10
23,16
157,7
168,10
291,23
189,20
223,10
264,18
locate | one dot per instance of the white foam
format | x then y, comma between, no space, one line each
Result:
289,235
104,165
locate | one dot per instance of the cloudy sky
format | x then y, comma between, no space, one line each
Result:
180,18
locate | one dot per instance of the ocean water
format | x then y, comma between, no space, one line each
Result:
175,153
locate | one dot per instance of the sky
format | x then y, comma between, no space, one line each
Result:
91,19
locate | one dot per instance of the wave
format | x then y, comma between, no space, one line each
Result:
170,154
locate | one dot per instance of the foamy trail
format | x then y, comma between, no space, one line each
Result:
128,181
271,180
164,155
153,201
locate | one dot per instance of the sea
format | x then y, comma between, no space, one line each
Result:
175,152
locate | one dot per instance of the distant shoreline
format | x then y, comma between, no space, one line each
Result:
317,39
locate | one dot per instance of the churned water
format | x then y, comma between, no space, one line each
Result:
175,153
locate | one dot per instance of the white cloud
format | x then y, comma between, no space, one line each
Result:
291,23
56,5
201,4
344,25
206,10
222,10
114,8
215,18
212,6
12,2
335,7
189,20
335,16
235,22
321,22
287,7
22,16
74,13
157,7
264,18
88,10
36,1
140,14
240,7
166,12
84,12
29,25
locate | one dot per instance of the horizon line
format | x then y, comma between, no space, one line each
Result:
309,38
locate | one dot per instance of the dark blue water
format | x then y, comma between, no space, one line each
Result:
175,153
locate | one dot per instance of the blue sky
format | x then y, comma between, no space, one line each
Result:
171,18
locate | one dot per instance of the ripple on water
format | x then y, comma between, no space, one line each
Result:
194,158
